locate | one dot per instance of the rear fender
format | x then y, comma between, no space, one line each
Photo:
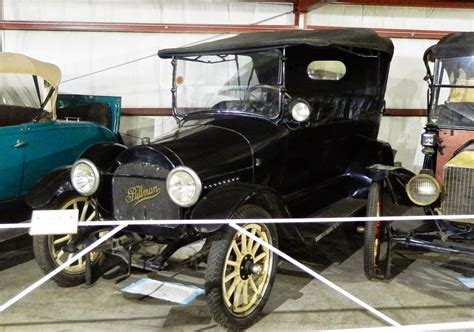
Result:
394,180
222,202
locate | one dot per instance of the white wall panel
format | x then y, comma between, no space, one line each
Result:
406,87
403,134
148,11
393,17
145,83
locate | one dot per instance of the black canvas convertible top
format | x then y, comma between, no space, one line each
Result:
453,45
259,41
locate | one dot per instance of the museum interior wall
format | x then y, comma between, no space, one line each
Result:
143,80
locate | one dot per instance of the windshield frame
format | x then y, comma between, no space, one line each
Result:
280,84
435,81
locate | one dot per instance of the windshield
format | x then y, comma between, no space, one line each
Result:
453,93
229,84
20,90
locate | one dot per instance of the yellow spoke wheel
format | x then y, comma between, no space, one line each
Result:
52,251
240,271
246,272
87,212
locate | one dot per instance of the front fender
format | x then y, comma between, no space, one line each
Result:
104,155
58,181
49,186
394,179
222,202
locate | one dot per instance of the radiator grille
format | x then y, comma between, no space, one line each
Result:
459,190
139,193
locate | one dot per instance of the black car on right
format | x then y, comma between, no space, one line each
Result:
445,185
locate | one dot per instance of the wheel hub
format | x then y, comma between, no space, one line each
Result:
246,267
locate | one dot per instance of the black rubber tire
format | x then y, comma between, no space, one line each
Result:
217,260
42,249
374,233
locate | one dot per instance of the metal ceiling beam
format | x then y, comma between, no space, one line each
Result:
395,33
138,27
463,4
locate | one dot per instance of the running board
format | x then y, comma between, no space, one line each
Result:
347,207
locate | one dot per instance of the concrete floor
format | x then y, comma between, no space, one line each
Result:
425,289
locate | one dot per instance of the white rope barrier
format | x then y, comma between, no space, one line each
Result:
71,260
233,223
262,221
317,276
413,328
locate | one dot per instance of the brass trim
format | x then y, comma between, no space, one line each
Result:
426,176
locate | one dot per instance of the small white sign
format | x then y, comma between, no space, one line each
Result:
45,222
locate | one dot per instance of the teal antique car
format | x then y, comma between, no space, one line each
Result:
41,131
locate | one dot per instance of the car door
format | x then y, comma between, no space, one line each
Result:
54,144
12,148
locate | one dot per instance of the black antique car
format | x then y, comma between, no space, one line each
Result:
445,185
271,125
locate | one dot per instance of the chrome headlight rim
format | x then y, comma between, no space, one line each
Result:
95,172
197,183
427,177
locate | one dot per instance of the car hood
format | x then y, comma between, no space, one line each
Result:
217,146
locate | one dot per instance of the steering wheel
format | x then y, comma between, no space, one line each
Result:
42,116
262,97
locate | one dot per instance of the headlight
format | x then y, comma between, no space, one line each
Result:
423,189
85,177
300,110
184,186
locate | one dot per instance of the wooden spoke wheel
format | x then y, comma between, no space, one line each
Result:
376,247
241,271
52,251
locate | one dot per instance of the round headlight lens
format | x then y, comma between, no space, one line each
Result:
85,177
184,186
300,111
423,189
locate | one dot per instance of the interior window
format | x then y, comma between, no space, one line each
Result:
328,70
